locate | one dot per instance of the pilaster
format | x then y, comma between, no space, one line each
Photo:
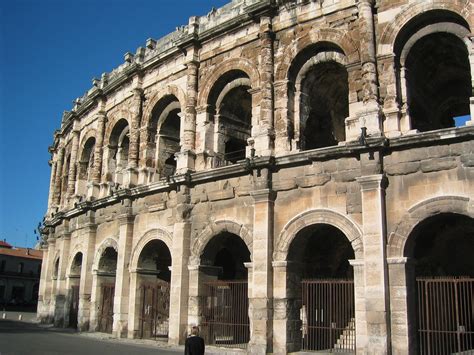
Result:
71,183
131,178
61,291
51,185
263,134
179,292
85,287
261,293
401,272
122,281
376,280
94,185
369,115
283,343
187,156
360,306
57,184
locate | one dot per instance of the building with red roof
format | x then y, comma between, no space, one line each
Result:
20,270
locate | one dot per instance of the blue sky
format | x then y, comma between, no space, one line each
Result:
49,52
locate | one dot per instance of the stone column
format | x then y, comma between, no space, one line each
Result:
360,306
57,184
264,135
94,306
145,172
94,185
282,122
402,305
376,282
194,303
405,121
53,165
370,113
50,287
204,139
261,296
134,306
136,113
71,183
187,155
388,83
283,343
44,292
85,286
179,292
61,291
122,280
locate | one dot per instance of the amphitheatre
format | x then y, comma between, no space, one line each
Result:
290,175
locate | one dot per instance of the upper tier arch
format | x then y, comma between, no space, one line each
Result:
337,37
241,64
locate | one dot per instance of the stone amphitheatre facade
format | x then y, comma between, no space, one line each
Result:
288,175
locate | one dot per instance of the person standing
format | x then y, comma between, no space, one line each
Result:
194,344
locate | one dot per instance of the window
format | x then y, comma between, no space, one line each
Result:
3,265
20,268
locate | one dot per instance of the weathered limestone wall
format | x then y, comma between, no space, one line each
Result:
374,185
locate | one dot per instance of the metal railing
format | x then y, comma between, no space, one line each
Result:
328,315
445,315
225,314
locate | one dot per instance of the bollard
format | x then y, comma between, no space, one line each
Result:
4,316
20,317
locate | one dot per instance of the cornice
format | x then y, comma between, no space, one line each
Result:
247,166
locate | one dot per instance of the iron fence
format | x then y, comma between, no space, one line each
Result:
328,315
225,314
445,315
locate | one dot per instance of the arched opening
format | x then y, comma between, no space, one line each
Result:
119,142
164,136
440,305
230,111
223,288
324,106
86,165
105,284
434,73
73,294
320,290
438,80
153,281
318,96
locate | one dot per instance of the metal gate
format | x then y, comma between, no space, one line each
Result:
225,314
106,311
74,307
445,315
155,309
328,316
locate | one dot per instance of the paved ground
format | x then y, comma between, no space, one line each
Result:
18,338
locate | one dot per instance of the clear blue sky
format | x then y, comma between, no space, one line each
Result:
49,52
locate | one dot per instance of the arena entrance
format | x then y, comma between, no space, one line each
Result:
154,276
442,302
74,281
224,288
321,290
106,280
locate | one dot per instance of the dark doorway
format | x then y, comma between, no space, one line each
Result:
441,303
225,292
154,277
322,290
